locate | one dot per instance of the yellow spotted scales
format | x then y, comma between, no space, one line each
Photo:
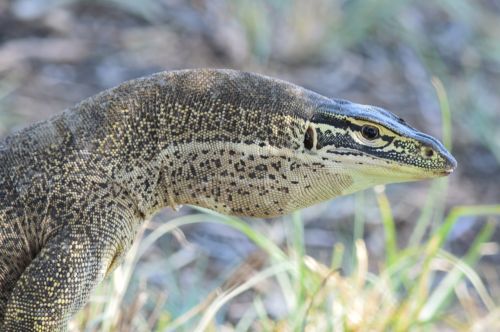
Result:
75,188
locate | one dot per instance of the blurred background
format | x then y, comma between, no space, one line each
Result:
415,58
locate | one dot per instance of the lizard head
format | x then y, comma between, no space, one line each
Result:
372,146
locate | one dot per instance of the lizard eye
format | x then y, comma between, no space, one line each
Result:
370,132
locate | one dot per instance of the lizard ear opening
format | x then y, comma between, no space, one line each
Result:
310,138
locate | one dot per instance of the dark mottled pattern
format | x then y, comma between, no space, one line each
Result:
74,189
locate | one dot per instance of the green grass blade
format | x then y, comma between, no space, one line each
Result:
455,214
440,297
444,106
425,218
359,222
391,247
298,248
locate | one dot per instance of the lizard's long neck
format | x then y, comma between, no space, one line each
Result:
184,138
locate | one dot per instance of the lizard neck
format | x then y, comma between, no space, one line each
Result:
218,139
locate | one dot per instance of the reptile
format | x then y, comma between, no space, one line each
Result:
75,189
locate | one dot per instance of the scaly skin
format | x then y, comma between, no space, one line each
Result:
75,189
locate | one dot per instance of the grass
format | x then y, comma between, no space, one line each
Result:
419,287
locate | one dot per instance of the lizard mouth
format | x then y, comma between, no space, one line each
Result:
410,172
447,171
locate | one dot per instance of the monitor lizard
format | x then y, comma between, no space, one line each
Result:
75,189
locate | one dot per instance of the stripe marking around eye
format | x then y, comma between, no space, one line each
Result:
331,135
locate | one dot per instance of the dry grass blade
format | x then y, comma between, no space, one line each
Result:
240,275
